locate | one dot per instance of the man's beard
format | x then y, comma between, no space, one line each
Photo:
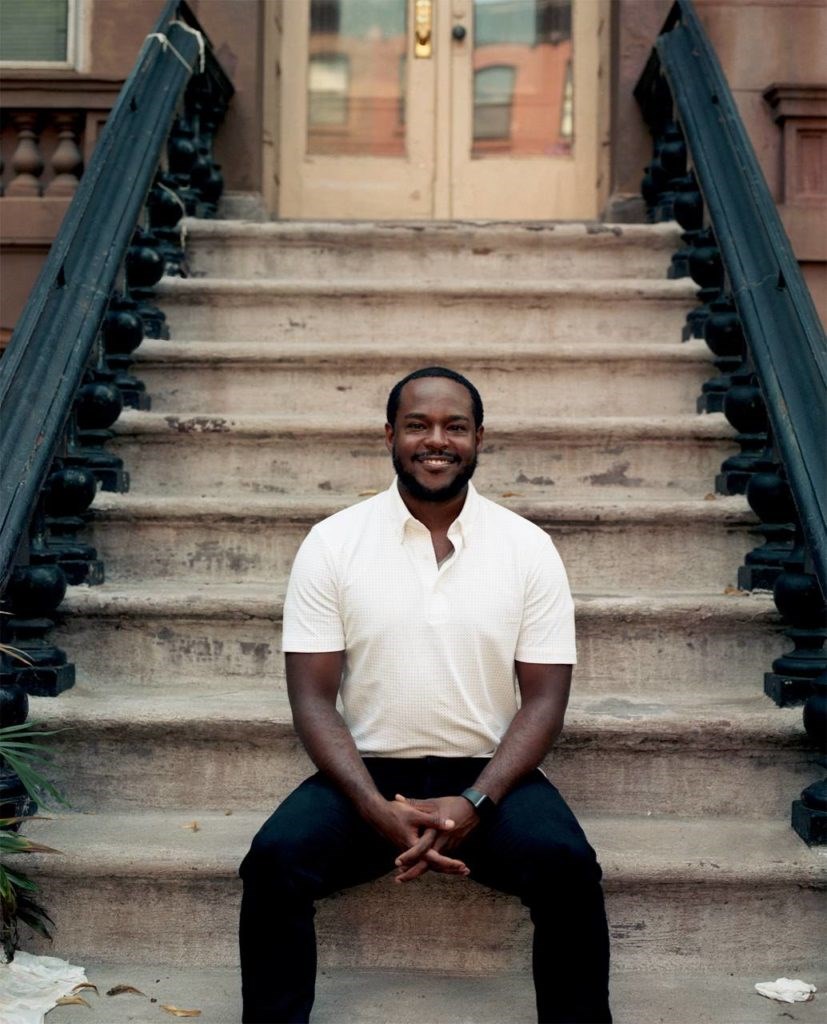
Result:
422,493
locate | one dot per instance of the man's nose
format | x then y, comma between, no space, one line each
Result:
436,438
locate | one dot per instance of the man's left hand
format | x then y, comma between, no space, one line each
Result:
423,857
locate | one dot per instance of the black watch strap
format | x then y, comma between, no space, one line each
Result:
481,802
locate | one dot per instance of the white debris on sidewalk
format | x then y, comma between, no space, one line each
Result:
786,990
30,986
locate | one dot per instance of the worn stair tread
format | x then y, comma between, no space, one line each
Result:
254,711
315,426
377,996
714,509
543,233
639,849
586,290
192,599
231,352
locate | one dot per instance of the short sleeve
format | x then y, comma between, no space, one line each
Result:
312,621
547,626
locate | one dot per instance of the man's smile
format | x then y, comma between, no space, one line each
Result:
436,461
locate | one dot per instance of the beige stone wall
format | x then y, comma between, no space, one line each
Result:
30,213
760,43
235,28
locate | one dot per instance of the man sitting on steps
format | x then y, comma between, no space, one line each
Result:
419,608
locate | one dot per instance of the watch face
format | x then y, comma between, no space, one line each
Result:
480,801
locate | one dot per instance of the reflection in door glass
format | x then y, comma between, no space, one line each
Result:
355,78
523,84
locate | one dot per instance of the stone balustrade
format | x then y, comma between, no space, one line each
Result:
50,125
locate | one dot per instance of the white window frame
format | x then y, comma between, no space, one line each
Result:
76,55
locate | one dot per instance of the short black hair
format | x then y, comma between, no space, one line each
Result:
434,371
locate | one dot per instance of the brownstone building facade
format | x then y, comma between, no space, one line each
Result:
774,53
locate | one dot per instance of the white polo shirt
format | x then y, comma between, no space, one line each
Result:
430,650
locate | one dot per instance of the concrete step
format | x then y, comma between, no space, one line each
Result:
236,749
438,996
681,894
428,251
359,310
199,455
608,547
577,378
160,637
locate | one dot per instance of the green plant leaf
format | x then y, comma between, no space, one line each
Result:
21,881
35,922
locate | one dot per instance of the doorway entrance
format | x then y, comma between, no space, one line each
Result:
444,109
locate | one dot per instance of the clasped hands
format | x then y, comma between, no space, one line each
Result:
429,831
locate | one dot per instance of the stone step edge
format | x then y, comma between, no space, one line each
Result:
539,233
634,850
240,601
366,356
441,995
719,511
314,427
751,726
195,289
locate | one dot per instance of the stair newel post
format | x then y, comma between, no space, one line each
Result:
122,332
14,710
165,210
688,208
67,495
36,587
799,599
182,153
770,498
144,267
809,812
743,406
706,269
668,147
724,337
205,107
98,404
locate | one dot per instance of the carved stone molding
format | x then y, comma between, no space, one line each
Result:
801,112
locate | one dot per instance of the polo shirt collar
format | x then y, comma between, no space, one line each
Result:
464,521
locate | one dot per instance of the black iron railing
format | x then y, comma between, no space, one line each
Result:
759,320
64,377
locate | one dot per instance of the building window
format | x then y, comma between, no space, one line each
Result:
328,89
493,96
37,32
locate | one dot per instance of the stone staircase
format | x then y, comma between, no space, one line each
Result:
268,408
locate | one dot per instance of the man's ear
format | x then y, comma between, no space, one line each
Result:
389,437
480,431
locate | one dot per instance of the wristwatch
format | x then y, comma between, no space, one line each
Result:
481,802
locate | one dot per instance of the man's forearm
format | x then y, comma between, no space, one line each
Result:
545,694
526,742
330,745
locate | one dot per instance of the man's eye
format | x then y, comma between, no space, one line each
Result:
415,426
458,428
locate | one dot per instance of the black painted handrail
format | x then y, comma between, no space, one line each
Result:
781,326
48,353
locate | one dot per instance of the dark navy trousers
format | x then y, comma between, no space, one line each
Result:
316,844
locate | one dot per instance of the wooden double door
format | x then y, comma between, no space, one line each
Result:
494,109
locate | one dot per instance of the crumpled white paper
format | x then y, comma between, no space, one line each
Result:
30,986
786,990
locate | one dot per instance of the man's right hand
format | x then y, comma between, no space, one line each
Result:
414,828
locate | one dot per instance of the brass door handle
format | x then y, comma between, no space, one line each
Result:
423,26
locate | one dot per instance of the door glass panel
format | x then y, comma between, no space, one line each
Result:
523,85
355,78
